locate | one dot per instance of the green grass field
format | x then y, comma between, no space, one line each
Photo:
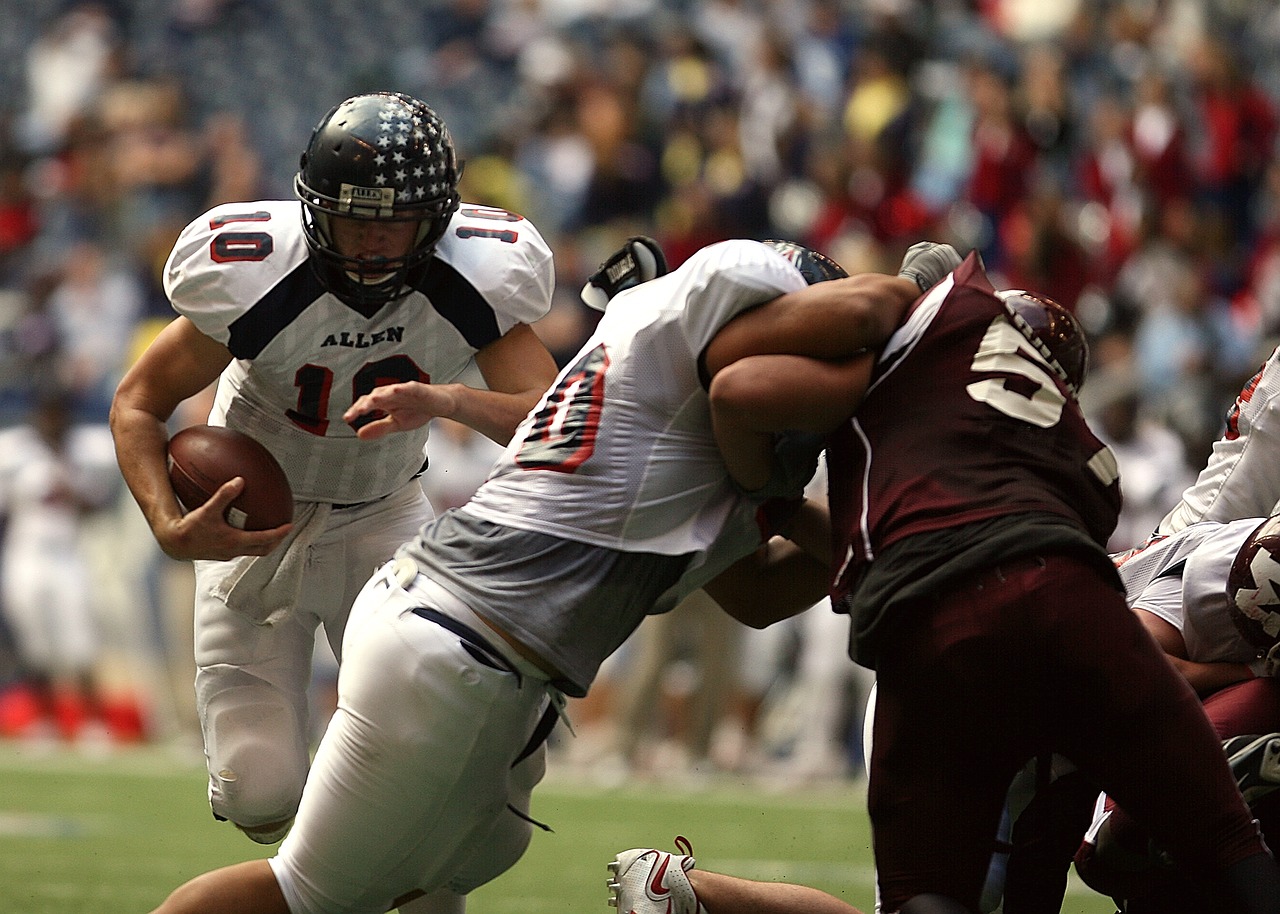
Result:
115,835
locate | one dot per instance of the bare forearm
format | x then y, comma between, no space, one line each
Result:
810,530
492,413
1209,677
758,396
203,533
831,320
517,370
141,443
721,894
399,407
777,581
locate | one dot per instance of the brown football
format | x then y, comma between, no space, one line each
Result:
203,457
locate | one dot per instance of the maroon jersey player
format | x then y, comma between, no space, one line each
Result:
971,506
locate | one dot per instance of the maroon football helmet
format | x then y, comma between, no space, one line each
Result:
1253,586
1054,331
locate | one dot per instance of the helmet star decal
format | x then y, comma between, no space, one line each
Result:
401,130
383,156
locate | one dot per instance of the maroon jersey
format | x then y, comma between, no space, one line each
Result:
918,456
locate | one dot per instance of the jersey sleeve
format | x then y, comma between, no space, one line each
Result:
227,259
727,279
193,286
505,258
1241,477
1163,598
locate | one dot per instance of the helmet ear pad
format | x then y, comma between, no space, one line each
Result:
384,157
1253,586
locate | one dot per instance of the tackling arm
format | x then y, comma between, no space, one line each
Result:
785,576
1209,677
836,319
832,320
798,363
758,396
777,581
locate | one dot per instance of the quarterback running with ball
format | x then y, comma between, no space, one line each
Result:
377,276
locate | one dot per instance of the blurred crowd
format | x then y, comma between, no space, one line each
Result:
1117,155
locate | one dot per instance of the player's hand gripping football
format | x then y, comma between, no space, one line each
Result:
203,532
927,262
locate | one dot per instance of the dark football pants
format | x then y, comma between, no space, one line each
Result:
1034,656
1244,708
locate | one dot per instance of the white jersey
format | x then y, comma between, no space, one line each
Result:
46,589
1242,475
619,452
242,274
42,491
612,491
613,495
1182,578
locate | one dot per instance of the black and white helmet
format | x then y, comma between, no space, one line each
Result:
387,157
814,266
1253,586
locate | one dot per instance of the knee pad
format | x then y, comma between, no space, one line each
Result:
933,904
257,756
495,853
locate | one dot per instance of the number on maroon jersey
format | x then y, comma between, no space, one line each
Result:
565,427
1019,383
1016,381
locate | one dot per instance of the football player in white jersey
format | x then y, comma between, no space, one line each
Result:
376,275
1242,475
1207,594
53,473
1183,589
611,502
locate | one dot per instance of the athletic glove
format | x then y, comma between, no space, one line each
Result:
795,460
927,262
640,259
